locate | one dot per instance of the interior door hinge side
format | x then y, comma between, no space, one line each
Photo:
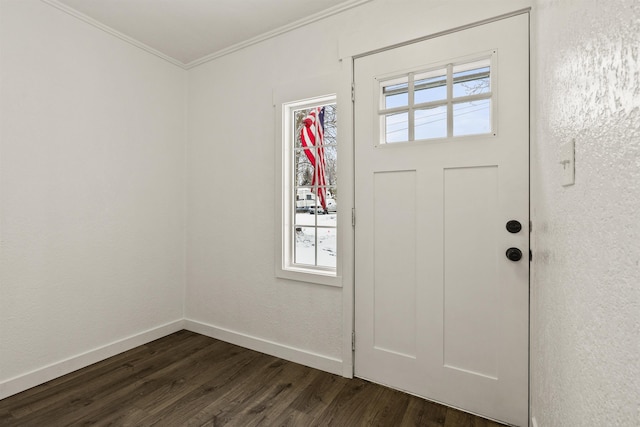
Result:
353,92
353,217
530,226
353,340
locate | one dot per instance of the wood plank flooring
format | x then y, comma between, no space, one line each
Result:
187,379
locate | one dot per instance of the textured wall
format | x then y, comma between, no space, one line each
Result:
92,189
586,275
231,236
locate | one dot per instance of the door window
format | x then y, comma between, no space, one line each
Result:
448,101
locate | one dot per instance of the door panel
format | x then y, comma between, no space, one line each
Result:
394,308
439,309
470,322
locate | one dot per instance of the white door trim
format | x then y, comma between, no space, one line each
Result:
360,45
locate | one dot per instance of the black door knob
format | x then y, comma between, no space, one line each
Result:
514,226
514,254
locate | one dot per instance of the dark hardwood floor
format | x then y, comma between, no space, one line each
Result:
187,379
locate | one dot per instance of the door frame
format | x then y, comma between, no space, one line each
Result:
348,53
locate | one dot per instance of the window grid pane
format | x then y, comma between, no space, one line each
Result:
396,95
305,244
430,112
431,123
472,118
397,127
314,187
430,88
474,82
472,78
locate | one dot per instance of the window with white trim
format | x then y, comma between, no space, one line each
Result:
451,100
310,193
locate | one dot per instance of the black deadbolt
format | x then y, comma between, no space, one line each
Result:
514,226
514,254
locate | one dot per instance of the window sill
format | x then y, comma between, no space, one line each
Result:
309,275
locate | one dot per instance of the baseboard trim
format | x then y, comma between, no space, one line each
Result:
296,355
39,376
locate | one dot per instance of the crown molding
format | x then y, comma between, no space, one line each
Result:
278,31
109,30
236,47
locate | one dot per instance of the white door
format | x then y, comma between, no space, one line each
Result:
442,165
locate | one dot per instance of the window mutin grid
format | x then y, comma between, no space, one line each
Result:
312,236
448,101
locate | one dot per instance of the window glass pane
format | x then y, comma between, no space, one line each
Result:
327,218
330,164
396,95
430,86
303,168
332,200
472,118
298,120
327,247
305,246
305,218
305,160
471,79
327,215
304,211
330,125
307,121
431,123
396,127
316,207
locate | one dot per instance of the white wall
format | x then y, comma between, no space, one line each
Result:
232,291
231,233
585,350
92,194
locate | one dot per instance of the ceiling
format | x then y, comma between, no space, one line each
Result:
188,32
